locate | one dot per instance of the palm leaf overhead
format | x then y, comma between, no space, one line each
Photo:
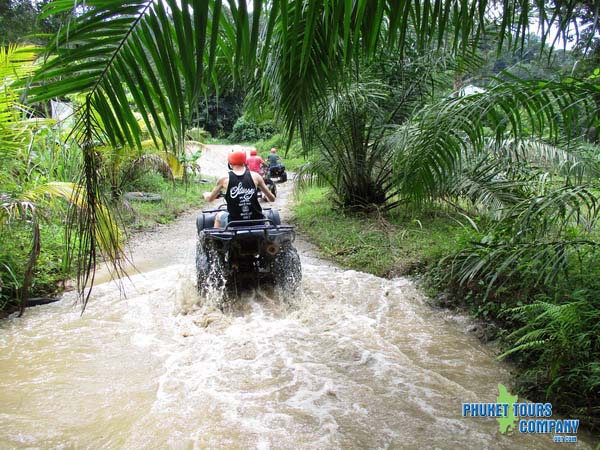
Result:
164,53
153,50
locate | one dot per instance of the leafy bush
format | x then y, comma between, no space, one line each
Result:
51,159
248,130
12,257
557,344
197,134
148,182
52,266
560,347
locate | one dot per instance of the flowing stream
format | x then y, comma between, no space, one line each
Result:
352,361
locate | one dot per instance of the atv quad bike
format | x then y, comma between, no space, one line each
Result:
277,171
245,252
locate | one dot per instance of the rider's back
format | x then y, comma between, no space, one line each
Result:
242,197
254,163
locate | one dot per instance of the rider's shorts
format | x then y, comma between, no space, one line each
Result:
224,218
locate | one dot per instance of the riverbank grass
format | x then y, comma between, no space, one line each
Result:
384,245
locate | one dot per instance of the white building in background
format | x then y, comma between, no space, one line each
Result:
62,111
469,90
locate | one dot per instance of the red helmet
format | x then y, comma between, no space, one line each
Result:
253,152
273,150
237,158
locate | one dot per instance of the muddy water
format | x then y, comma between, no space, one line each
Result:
352,361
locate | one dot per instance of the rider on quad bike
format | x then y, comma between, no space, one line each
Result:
276,169
241,191
245,243
256,164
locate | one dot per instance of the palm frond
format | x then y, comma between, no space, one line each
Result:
106,231
486,187
432,147
347,154
138,47
545,237
163,162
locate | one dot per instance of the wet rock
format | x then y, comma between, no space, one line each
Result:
484,331
444,299
206,320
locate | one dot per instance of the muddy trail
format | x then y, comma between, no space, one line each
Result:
352,361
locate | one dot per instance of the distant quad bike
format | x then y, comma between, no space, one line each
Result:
245,253
277,171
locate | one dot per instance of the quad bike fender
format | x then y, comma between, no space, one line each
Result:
206,220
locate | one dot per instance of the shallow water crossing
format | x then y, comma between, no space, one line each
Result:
354,361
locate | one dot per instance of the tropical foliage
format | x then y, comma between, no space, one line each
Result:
25,185
517,156
347,130
166,54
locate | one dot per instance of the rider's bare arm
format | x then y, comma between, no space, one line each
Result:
258,181
212,195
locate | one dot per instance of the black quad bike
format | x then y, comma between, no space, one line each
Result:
245,253
277,171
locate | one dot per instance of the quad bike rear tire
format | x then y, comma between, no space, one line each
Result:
209,270
202,269
287,269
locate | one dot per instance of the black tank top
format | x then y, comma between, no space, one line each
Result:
242,197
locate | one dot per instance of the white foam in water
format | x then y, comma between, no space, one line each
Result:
187,298
353,361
